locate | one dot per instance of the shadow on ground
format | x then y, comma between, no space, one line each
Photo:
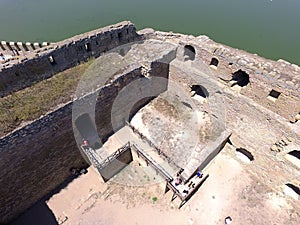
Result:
39,213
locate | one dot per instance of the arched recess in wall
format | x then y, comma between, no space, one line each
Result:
240,78
199,90
244,154
292,190
214,62
189,53
294,157
139,105
52,60
295,153
87,47
86,128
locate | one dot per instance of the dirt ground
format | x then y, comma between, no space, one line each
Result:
228,191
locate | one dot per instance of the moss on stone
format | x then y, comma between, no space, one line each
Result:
32,102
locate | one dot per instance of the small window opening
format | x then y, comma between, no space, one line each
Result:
273,95
245,153
52,60
120,35
240,78
199,90
294,188
189,53
295,153
87,47
214,62
294,157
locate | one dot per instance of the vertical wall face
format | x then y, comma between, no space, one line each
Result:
116,165
36,159
263,77
63,55
119,101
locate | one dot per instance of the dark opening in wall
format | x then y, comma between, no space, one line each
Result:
87,47
246,153
241,78
295,153
274,94
189,52
120,35
214,62
199,90
294,188
52,60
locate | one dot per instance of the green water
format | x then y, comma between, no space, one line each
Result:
268,28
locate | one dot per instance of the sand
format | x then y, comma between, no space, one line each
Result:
229,191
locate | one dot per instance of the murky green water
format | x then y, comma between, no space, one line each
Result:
268,28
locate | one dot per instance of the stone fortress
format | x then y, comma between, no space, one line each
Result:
251,106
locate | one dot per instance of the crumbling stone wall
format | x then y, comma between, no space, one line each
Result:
265,75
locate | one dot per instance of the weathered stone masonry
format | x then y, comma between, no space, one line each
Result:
44,63
38,157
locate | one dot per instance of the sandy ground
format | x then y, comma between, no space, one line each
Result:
229,191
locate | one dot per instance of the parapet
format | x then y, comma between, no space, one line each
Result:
43,62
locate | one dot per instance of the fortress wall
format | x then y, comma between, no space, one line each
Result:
44,63
20,48
265,75
37,158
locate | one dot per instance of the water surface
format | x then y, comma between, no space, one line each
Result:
268,28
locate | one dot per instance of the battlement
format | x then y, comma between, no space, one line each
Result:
42,62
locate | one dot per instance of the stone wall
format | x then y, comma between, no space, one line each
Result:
38,157
265,75
20,48
22,72
116,165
